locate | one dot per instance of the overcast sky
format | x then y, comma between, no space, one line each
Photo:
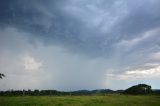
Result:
79,44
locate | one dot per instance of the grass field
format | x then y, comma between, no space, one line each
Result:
109,100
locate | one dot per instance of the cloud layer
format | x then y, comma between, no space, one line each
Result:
79,44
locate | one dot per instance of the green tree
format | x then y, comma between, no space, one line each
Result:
139,89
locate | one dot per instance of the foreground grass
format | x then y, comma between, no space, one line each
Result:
110,100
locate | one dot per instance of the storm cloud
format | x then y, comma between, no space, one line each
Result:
79,44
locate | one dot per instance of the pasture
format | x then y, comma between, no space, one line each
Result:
108,100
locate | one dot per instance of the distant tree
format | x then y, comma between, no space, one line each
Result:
2,75
36,92
139,89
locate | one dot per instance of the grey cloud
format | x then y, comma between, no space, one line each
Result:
142,16
53,25
110,33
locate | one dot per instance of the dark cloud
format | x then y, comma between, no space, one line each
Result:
73,29
142,16
123,33
49,22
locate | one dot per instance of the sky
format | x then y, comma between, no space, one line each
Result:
79,44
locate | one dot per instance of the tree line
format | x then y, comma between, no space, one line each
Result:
31,93
55,92
134,90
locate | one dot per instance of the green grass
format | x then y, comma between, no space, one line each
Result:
109,100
